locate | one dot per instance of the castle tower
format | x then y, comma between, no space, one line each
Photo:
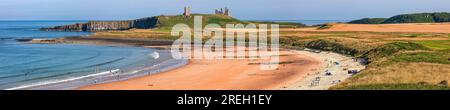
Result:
227,12
187,11
222,11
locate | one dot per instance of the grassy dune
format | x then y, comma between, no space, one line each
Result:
398,61
436,44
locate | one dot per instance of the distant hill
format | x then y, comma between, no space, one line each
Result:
407,18
162,22
368,21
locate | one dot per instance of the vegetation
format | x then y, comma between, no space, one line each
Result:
429,57
407,18
368,21
411,18
331,46
398,61
396,87
436,44
391,49
325,26
167,22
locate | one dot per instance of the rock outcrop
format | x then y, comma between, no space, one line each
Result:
143,23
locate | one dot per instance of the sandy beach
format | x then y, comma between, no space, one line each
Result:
221,75
235,75
334,63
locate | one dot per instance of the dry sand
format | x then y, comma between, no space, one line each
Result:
409,27
339,71
238,75
221,75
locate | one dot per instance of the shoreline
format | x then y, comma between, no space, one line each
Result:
112,75
337,64
102,41
237,75
102,77
299,78
219,74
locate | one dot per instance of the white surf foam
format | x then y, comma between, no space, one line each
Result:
61,81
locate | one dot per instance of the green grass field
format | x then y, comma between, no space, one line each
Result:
396,87
436,44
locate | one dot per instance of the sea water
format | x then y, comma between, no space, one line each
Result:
24,64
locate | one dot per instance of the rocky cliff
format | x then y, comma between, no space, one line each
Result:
143,23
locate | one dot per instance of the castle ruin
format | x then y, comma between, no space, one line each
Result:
222,11
187,11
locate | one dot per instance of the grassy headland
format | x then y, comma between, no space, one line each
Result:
165,24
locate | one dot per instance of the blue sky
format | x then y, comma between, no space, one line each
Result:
242,9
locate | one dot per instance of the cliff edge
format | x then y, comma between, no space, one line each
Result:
143,23
162,22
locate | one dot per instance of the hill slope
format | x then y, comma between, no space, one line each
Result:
157,22
167,22
368,21
407,18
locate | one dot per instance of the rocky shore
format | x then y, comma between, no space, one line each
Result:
104,41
